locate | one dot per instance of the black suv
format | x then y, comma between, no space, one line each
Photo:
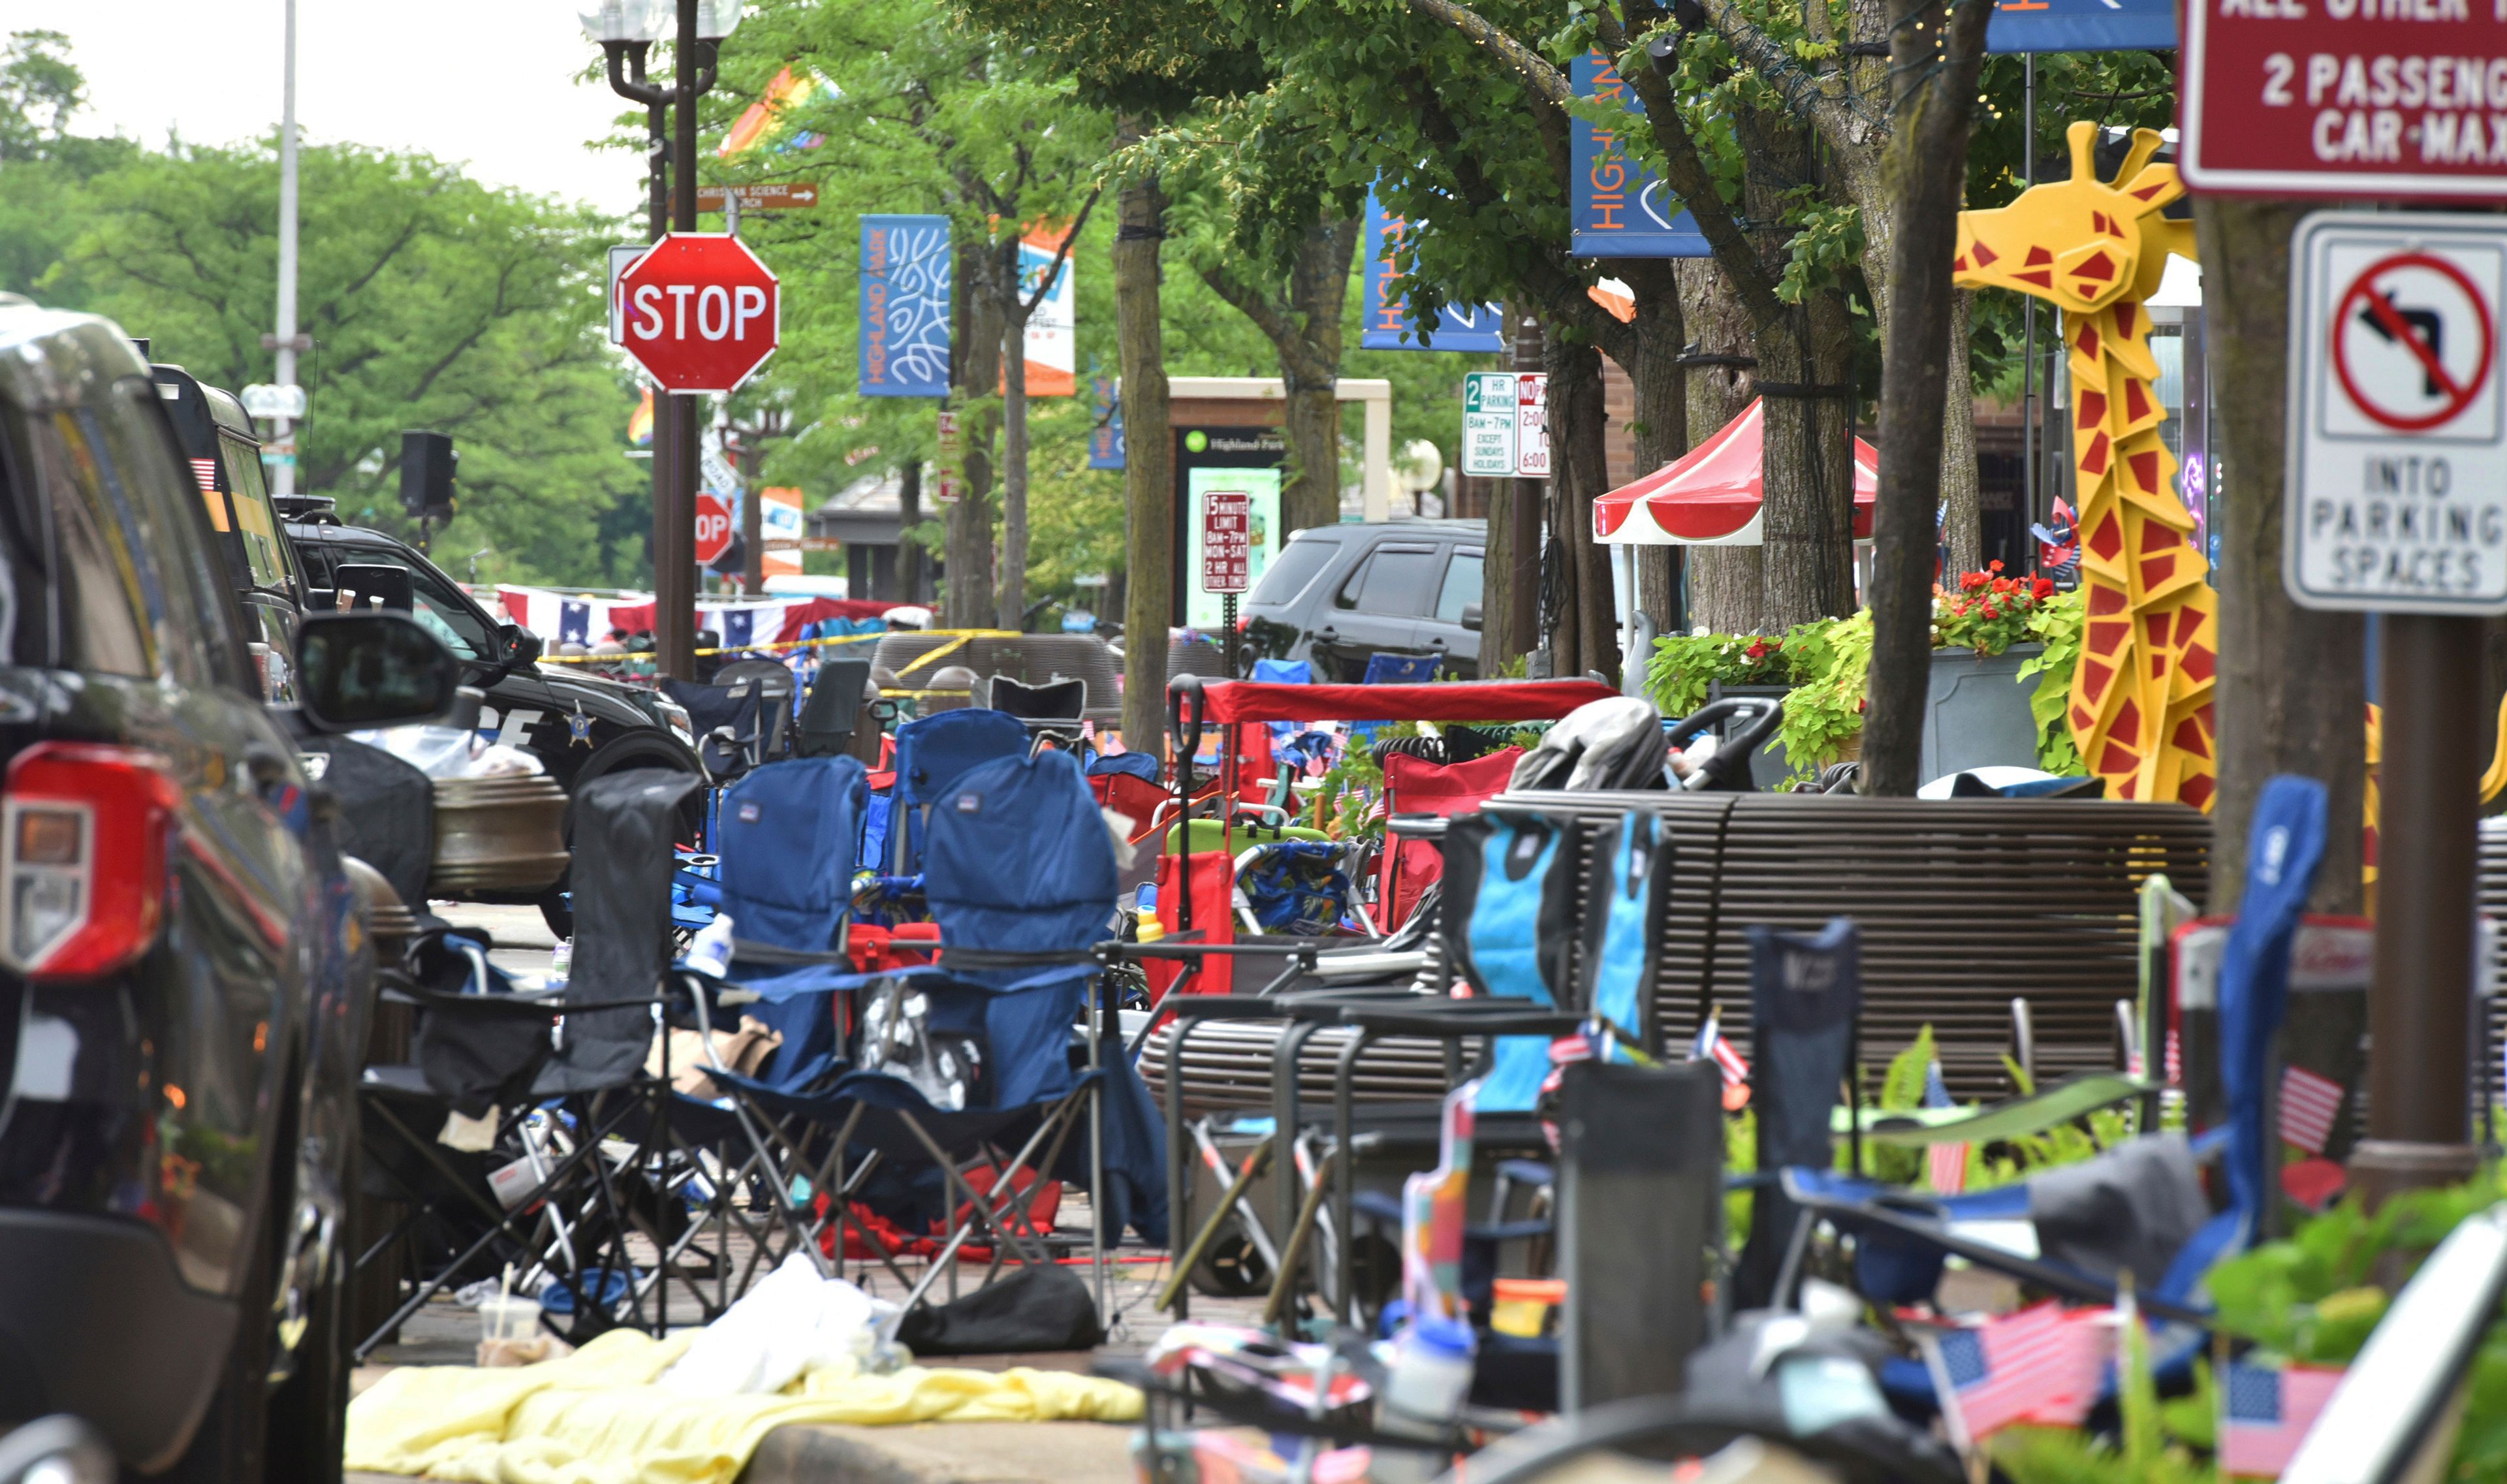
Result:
579,725
285,555
1337,595
184,977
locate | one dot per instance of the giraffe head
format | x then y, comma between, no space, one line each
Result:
2082,244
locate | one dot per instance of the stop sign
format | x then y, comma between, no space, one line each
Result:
714,528
699,312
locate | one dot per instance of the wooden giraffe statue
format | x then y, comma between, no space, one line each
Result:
2141,695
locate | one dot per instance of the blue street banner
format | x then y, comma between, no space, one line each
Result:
1619,208
905,271
1106,434
2082,26
1388,325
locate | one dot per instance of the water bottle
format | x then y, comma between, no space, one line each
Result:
1424,1389
561,961
710,953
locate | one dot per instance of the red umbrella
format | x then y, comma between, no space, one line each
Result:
1710,495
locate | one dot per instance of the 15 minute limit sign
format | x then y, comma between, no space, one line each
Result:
2354,99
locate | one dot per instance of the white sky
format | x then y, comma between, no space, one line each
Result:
484,83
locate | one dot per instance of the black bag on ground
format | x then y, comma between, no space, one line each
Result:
1039,1307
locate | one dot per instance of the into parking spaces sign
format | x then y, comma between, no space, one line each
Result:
1488,424
2397,483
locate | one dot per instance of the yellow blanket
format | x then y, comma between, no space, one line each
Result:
596,1416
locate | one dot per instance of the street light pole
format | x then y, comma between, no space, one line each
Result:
284,342
626,29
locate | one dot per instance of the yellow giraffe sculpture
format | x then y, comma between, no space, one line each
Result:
2141,695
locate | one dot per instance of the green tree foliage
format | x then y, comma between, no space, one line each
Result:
433,301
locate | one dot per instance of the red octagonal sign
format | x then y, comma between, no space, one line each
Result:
714,528
700,313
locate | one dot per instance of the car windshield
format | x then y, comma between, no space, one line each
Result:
1291,571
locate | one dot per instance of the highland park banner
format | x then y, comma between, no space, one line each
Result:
1388,323
1619,208
904,349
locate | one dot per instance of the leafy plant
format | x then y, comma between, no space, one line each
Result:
1685,666
2056,624
1987,612
1824,711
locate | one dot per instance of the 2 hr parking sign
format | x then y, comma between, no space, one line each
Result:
2397,483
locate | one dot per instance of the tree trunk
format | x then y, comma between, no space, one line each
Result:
1926,176
1148,462
970,520
1510,581
1310,371
1012,608
2290,694
1585,636
1659,426
1960,487
1801,559
909,514
1724,582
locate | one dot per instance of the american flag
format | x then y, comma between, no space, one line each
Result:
2308,1105
2043,1364
2175,1060
1944,1164
206,470
1711,1047
2265,1415
1378,809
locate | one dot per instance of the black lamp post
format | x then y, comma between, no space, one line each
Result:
627,30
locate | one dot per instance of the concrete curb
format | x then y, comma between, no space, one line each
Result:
946,1453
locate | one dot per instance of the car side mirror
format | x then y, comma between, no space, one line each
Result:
1471,616
516,646
371,668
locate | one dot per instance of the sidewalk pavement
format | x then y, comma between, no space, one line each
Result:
931,1453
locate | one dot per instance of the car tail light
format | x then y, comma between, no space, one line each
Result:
84,832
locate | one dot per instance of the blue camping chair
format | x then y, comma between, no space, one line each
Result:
2138,1207
1401,669
931,754
975,1056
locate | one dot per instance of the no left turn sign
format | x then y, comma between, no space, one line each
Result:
2411,341
2397,481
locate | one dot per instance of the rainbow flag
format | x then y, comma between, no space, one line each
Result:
640,422
786,91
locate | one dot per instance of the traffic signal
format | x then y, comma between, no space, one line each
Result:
426,465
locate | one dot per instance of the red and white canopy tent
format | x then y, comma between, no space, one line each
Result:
1711,494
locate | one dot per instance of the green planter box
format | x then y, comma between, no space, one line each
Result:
1976,711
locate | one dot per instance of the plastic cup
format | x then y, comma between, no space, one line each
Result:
508,1317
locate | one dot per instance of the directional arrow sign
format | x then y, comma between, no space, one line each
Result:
2397,493
701,313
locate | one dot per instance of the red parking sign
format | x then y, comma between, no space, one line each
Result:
700,312
2354,98
1226,540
